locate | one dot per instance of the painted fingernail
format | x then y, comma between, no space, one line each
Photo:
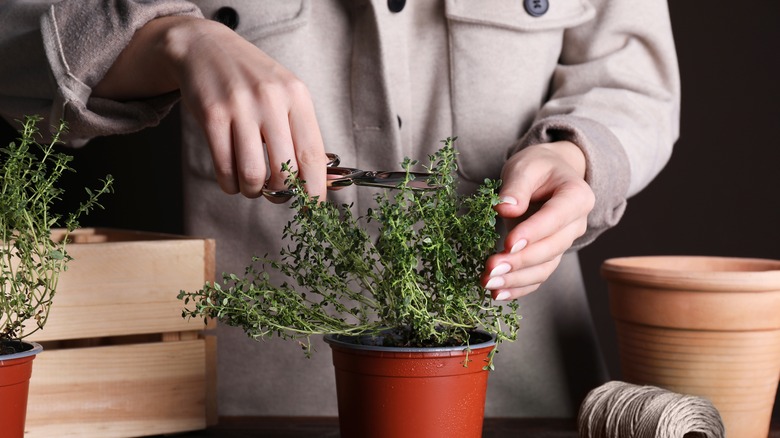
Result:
494,283
518,246
502,296
507,200
501,269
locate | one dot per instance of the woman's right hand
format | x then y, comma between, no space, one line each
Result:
241,97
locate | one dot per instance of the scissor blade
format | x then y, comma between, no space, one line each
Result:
391,180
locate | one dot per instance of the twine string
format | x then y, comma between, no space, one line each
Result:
622,410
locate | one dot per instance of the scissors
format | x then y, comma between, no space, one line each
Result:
347,176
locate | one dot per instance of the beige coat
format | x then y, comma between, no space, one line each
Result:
601,73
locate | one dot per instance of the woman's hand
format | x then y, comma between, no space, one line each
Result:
551,174
241,97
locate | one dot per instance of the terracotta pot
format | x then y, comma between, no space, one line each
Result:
707,326
15,372
410,392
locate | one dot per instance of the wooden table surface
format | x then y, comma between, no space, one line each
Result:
326,427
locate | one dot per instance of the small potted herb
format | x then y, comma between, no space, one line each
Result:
30,261
409,295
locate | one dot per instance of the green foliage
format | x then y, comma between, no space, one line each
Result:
417,285
30,261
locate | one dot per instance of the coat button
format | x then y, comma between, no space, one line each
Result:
536,8
396,5
227,16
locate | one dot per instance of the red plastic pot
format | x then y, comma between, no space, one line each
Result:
410,392
15,372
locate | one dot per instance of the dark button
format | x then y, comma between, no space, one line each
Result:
396,5
536,8
227,16
399,122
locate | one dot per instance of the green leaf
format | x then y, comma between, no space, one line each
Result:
29,193
419,276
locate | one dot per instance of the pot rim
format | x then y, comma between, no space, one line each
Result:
36,348
343,341
697,271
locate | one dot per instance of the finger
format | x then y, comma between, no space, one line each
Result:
249,157
569,204
524,277
523,181
279,144
517,188
309,147
219,137
511,294
534,254
329,177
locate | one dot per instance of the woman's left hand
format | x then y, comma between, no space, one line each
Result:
553,175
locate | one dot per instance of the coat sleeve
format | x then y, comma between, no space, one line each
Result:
56,52
616,94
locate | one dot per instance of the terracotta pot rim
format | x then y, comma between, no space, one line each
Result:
698,272
34,350
348,342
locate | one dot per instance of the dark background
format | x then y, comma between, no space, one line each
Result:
718,195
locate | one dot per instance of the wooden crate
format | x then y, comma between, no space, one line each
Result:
118,359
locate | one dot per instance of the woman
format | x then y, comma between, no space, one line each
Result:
573,103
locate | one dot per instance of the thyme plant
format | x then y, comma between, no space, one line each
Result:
416,285
30,261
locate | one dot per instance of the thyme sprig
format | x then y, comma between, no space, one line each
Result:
417,284
30,261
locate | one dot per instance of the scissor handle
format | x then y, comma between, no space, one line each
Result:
333,161
347,176
343,176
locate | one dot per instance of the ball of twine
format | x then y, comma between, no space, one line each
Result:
622,410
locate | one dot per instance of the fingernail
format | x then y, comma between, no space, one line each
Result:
494,283
507,200
502,296
501,269
518,246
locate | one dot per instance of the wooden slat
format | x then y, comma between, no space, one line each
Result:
119,391
92,235
210,273
125,287
130,272
212,412
118,320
